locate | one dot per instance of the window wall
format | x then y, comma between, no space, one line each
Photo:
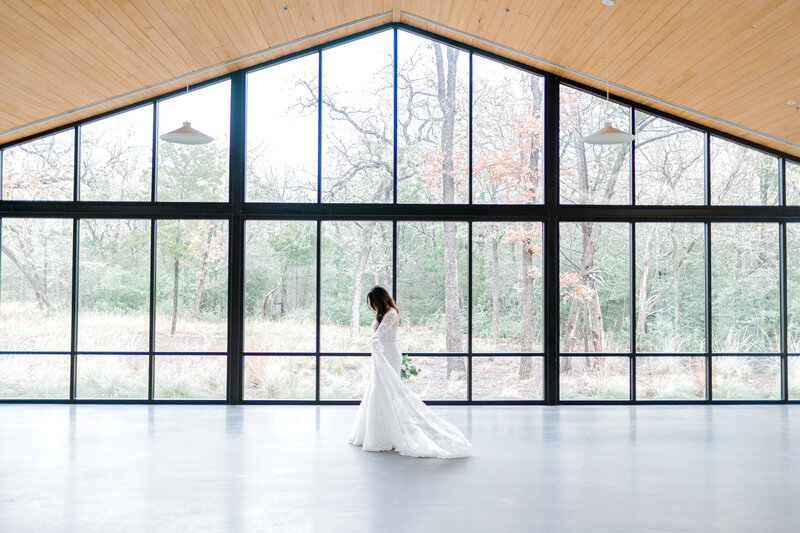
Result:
528,265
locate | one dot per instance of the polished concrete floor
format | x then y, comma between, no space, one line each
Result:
289,468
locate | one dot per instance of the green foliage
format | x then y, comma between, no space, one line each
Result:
193,173
407,369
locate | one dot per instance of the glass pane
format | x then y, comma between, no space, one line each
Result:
595,378
670,378
34,376
279,378
592,173
595,287
195,173
439,378
507,134
742,176
280,286
794,377
355,257
344,378
745,288
117,157
190,377
792,183
192,286
670,162
507,304
507,378
432,121
746,378
282,103
432,286
793,286
357,115
114,285
41,169
112,376
670,287
35,284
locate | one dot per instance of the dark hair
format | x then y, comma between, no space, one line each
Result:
380,301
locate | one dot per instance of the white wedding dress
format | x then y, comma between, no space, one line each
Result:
392,417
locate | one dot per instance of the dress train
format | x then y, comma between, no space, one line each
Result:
392,417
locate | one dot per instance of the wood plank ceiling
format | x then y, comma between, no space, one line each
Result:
724,63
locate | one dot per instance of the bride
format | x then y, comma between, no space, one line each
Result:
390,416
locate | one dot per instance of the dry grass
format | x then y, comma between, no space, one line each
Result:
671,378
607,378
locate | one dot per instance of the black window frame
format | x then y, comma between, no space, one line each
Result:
550,213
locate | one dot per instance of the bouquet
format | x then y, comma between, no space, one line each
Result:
407,369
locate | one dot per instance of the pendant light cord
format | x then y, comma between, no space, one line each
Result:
189,41
608,17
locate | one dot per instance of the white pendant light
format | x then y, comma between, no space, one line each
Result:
186,134
608,134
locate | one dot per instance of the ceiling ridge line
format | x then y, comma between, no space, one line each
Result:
196,72
597,79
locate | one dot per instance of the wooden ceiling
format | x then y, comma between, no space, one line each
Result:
730,64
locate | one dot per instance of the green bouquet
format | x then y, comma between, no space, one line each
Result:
407,369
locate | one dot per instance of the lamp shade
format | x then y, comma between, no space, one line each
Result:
186,135
608,134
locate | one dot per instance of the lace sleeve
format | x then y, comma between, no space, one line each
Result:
387,323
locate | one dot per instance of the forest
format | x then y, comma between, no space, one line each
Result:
605,301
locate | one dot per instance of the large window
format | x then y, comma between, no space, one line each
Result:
507,314
356,255
282,105
670,287
114,285
35,284
195,173
741,175
592,173
280,278
133,269
42,169
508,134
432,121
191,286
745,288
357,118
116,155
670,162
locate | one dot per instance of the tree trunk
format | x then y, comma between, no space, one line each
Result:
495,289
177,271
355,304
451,309
268,296
446,92
676,287
643,296
201,286
590,235
30,274
387,266
526,364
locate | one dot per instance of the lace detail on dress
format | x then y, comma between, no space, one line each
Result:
391,416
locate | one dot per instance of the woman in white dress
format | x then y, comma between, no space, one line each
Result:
390,416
